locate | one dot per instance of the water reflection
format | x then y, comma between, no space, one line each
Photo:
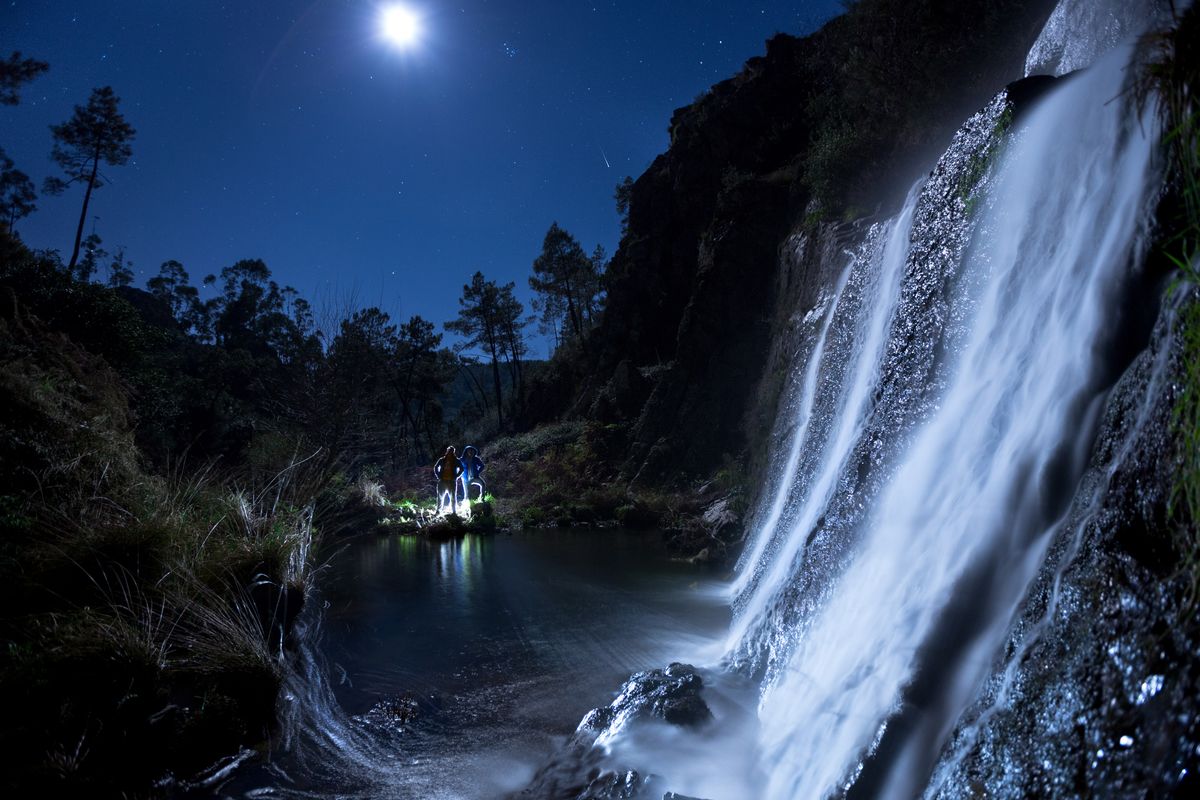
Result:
503,643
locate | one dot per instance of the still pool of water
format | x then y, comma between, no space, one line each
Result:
496,645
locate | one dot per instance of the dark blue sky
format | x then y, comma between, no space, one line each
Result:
289,130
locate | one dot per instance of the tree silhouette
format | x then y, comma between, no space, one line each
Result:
566,281
15,71
171,286
95,134
120,271
512,333
93,254
16,194
624,196
421,374
485,317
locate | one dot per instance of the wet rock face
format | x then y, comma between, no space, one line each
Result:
622,397
1080,30
394,713
695,282
1094,694
628,785
720,339
671,695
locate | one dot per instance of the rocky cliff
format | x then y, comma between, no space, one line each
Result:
762,172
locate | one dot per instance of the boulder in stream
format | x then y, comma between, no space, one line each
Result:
577,772
671,695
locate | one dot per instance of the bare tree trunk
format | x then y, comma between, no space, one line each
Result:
576,321
475,385
87,197
496,382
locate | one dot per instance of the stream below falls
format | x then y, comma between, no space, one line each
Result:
455,669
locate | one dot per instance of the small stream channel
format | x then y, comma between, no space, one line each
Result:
453,670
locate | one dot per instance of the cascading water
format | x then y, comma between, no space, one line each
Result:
944,422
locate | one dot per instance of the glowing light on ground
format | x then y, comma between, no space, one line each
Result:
400,25
464,510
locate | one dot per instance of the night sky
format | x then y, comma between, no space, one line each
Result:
293,131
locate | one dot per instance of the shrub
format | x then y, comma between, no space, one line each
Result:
638,516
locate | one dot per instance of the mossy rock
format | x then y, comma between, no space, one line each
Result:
448,527
482,523
638,516
533,517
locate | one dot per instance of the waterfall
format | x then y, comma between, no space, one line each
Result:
939,431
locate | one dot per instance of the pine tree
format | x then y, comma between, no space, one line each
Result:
566,281
16,194
15,71
120,271
480,323
96,134
93,254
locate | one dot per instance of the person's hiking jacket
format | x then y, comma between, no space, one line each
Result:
437,469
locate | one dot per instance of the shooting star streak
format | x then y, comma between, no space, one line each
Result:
605,156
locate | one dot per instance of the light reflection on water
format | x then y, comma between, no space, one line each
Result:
503,642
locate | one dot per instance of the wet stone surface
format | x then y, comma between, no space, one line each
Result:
1094,694
671,695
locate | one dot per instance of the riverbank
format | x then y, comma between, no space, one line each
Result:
563,475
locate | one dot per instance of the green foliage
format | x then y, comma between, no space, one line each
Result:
525,446
87,266
374,398
1172,77
982,160
1185,496
891,72
533,517
243,376
834,148
120,271
65,414
638,516
160,597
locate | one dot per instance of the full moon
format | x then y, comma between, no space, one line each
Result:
400,25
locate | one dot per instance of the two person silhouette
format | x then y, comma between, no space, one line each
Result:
453,472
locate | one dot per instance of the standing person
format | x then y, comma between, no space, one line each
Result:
446,470
472,467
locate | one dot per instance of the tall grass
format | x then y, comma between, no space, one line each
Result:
153,638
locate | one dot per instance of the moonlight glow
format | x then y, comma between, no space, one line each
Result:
400,26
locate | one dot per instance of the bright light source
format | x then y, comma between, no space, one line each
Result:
400,25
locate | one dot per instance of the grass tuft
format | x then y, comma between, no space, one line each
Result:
1171,77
